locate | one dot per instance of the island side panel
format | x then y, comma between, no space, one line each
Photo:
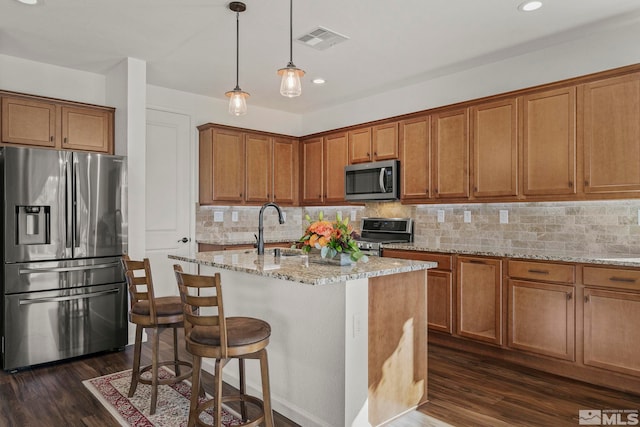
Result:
397,344
307,345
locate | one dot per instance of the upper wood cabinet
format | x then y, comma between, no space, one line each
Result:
549,142
495,148
29,122
450,154
222,161
336,157
415,155
312,171
360,145
285,171
611,134
258,168
246,167
39,122
373,144
86,129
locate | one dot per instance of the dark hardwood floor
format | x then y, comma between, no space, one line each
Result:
464,390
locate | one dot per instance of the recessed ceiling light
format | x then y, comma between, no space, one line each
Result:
529,6
30,2
318,81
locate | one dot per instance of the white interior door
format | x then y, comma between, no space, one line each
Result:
168,194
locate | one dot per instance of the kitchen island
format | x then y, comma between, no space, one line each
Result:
348,344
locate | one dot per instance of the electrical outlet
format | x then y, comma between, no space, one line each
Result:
504,216
234,216
353,216
467,216
284,216
440,215
218,216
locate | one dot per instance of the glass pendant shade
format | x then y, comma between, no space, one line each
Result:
290,85
237,102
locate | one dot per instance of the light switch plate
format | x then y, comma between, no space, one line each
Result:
353,216
504,216
284,216
234,216
440,215
467,216
218,216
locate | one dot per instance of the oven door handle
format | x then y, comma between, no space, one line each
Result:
64,269
382,187
68,298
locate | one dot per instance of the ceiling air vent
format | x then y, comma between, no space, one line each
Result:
321,38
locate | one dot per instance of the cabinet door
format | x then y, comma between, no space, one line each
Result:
285,171
611,134
549,142
228,165
611,332
439,300
336,156
450,156
313,171
205,167
541,318
415,151
360,146
495,148
87,129
479,299
385,142
28,122
258,167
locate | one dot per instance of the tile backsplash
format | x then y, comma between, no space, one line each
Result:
594,227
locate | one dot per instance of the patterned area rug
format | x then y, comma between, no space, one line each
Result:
172,408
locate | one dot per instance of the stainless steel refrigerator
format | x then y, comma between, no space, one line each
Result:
63,232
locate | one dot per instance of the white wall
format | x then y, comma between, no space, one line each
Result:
36,78
602,50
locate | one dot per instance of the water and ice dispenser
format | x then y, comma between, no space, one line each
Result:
33,225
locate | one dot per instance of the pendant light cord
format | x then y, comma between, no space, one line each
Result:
291,32
237,50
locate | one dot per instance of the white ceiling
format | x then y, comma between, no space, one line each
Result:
189,45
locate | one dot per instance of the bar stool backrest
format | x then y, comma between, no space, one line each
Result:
140,283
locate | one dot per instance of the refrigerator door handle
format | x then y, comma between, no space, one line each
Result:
76,232
68,298
63,269
68,196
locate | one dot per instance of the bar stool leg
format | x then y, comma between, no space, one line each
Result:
154,370
243,389
175,351
266,389
135,372
195,387
218,392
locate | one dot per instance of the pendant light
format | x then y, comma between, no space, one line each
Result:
237,97
290,85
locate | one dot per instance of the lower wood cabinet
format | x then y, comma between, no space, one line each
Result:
542,318
611,319
541,308
479,299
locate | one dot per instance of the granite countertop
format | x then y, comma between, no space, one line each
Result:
224,242
625,260
292,265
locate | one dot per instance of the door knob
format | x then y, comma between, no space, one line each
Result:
184,240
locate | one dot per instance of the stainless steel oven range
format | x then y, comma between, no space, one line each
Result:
375,232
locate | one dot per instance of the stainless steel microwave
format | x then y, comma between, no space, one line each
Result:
372,181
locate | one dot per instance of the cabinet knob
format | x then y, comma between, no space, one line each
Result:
586,298
569,296
65,140
51,138
570,184
586,183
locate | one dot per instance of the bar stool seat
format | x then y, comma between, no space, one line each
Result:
222,338
155,314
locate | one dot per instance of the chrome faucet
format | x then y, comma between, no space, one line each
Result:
261,226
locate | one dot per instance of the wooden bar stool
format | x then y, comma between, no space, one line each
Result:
214,336
156,314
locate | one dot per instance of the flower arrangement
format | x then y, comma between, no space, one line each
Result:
332,238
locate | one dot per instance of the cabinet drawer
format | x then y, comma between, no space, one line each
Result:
612,277
542,271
